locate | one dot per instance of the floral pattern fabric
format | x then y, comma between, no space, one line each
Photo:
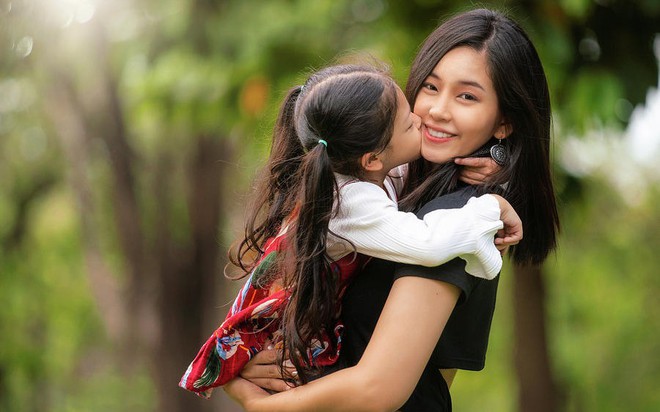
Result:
253,319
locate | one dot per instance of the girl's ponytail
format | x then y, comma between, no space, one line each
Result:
308,275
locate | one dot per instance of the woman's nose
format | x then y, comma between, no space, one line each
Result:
439,109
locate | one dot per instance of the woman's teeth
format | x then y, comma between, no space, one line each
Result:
439,135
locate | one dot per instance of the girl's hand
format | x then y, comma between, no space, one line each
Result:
502,248
476,170
244,392
263,371
512,233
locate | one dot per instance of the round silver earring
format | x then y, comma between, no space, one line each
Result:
498,152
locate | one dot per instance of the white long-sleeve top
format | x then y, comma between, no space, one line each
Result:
368,221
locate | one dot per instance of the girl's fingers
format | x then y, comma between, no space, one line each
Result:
507,240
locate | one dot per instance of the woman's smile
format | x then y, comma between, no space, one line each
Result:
436,135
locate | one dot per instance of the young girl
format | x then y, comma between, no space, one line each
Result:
477,84
355,125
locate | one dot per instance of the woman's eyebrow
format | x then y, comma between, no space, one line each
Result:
462,82
472,83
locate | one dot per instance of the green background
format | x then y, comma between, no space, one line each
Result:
129,134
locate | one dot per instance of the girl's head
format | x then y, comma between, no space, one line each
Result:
478,79
365,122
352,120
366,128
360,115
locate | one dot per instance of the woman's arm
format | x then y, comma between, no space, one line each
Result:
408,329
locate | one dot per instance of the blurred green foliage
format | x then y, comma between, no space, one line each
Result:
184,68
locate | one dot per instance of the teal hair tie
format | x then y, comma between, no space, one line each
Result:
324,143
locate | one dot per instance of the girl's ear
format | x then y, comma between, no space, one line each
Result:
503,130
371,162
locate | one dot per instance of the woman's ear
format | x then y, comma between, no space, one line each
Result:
371,162
503,130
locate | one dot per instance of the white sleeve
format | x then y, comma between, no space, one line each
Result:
373,224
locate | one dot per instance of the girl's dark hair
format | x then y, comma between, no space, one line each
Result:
274,189
524,102
352,108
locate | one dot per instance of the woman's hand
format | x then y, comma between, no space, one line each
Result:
476,170
512,233
264,372
244,392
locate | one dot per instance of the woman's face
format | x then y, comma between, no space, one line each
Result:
458,106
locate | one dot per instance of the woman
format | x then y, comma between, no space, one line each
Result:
357,128
478,86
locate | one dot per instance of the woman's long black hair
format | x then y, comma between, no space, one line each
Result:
524,101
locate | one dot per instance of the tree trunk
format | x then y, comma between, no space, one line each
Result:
189,283
157,315
66,113
537,389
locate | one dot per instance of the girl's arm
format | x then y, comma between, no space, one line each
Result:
372,222
390,367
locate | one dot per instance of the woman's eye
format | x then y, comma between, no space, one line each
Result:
467,96
429,86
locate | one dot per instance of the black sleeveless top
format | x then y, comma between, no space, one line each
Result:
464,341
